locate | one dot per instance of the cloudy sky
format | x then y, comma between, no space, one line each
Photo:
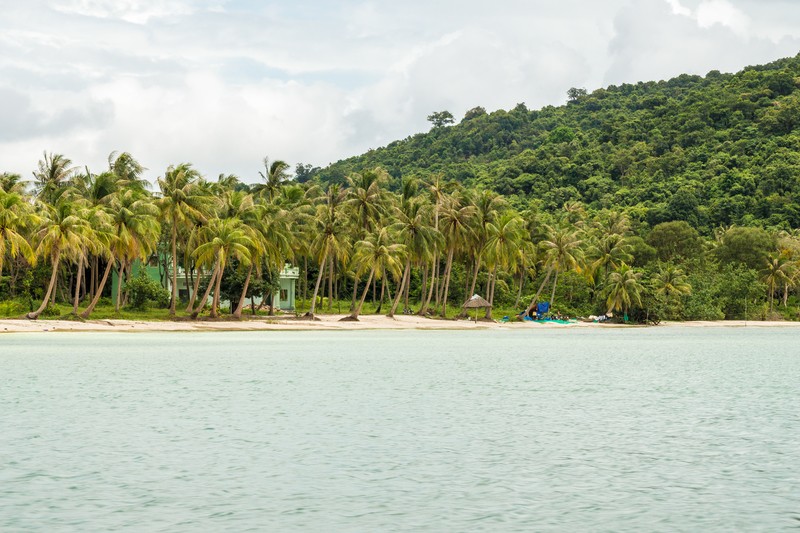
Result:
222,83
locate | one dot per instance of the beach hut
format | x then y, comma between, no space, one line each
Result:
476,302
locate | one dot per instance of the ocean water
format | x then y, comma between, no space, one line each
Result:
656,429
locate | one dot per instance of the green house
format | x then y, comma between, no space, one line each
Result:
284,300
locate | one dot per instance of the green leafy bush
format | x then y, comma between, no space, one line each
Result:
144,291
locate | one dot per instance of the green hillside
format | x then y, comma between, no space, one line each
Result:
714,151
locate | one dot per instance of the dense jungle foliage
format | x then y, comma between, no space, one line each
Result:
714,151
668,200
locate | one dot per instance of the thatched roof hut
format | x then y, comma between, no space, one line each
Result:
476,302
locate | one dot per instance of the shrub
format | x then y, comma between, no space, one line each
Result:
144,291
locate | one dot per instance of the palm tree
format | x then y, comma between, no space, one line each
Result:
181,205
378,255
224,239
16,215
456,221
487,207
274,176
562,251
134,223
414,231
437,190
623,288
268,228
63,234
670,283
778,270
127,170
330,240
609,252
504,240
128,231
52,177
10,182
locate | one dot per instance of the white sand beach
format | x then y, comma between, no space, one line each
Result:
331,322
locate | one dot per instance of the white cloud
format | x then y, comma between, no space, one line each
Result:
222,83
711,12
678,8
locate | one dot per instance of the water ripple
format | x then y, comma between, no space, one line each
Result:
612,430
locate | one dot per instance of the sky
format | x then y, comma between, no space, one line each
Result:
224,83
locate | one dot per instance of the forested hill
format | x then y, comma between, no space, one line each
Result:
716,150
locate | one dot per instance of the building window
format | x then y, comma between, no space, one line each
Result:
284,295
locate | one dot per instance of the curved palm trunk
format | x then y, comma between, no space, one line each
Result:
77,297
402,288
120,272
98,293
238,312
408,287
383,292
330,283
174,298
35,314
195,288
475,277
355,294
128,276
493,278
553,293
539,291
316,285
426,300
211,282
357,310
217,288
447,271
519,290
771,295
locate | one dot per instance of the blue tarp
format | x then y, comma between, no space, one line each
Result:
542,308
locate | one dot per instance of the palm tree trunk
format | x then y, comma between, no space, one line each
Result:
771,296
357,310
316,285
174,299
305,278
539,291
330,284
426,300
493,277
99,291
211,281
408,287
238,313
383,290
186,281
447,270
440,277
78,279
35,314
471,290
217,288
553,293
402,288
355,294
120,272
128,277
519,291
195,288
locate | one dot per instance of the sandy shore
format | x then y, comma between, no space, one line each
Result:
327,323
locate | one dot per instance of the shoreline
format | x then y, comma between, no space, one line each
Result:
332,323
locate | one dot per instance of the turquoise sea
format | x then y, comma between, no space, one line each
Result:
655,429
